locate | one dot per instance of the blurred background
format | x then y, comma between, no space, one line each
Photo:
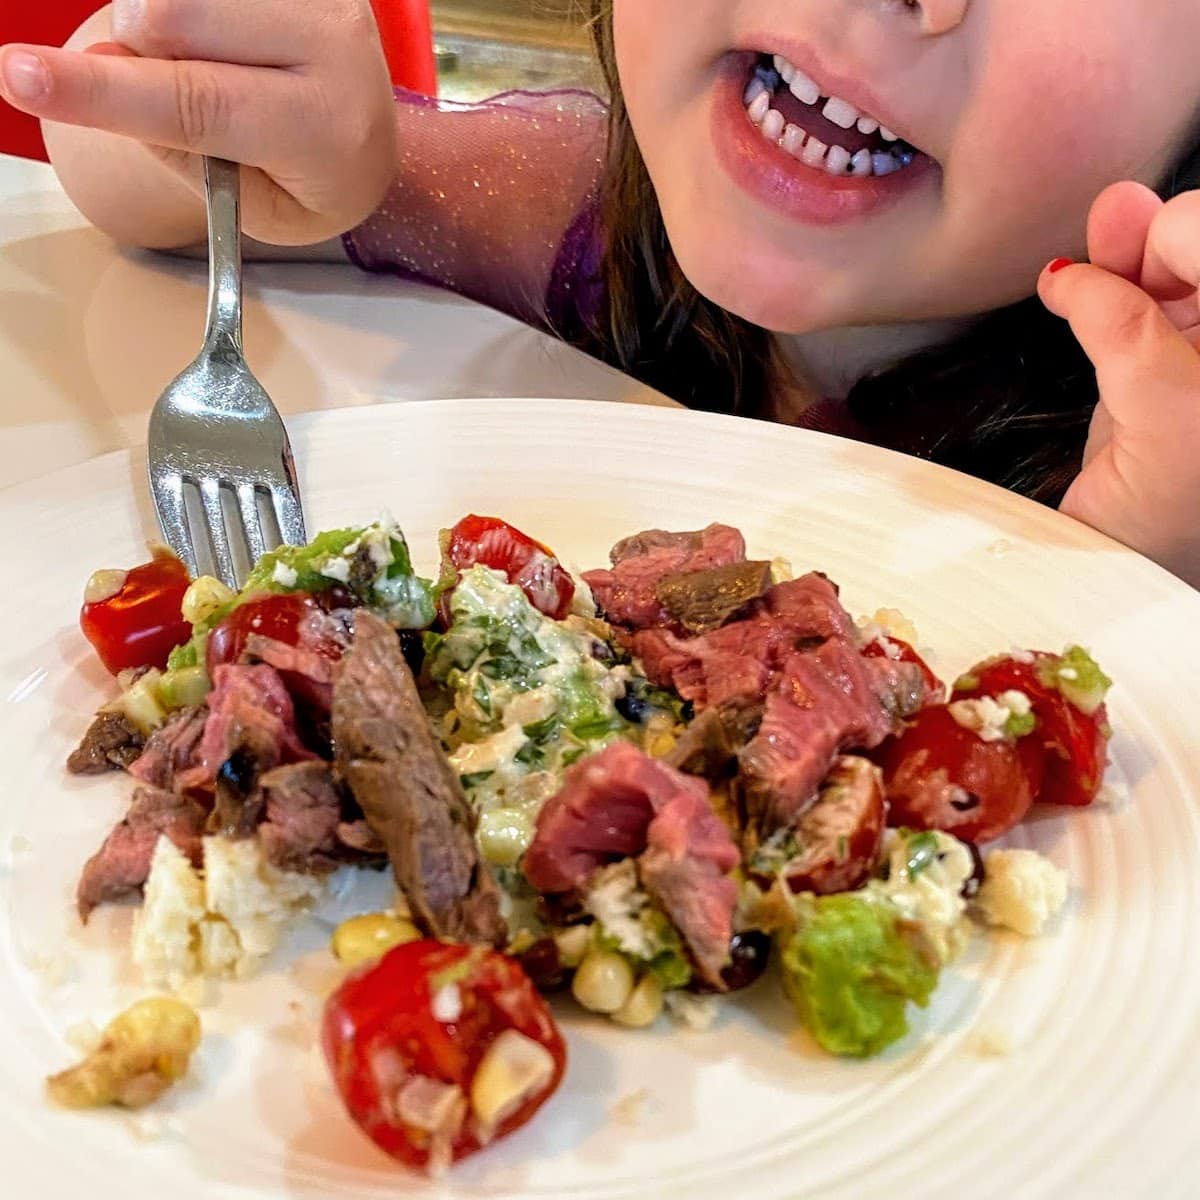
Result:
465,49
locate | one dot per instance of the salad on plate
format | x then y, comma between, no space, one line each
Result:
651,786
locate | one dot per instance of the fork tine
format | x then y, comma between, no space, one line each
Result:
290,514
172,516
251,522
210,496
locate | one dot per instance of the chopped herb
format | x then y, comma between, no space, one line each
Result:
474,778
530,755
541,731
922,852
482,696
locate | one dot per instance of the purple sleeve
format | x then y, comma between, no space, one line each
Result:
494,200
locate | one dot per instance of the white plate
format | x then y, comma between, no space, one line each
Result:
1097,1094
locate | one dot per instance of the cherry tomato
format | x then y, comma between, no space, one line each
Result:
530,565
938,774
294,618
133,618
1076,742
414,1042
897,648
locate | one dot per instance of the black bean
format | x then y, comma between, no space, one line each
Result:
972,885
543,966
749,953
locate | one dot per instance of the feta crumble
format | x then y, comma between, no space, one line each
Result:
1021,890
284,575
993,718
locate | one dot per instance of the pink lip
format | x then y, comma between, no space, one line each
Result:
783,183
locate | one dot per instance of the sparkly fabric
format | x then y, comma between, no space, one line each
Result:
507,215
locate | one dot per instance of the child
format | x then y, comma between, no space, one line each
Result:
828,212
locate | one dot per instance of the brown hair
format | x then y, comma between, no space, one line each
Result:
1010,401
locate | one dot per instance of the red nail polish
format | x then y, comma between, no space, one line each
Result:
1058,264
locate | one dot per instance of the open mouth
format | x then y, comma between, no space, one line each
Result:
826,133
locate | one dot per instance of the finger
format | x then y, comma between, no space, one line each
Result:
1148,373
1117,228
1171,265
267,33
248,114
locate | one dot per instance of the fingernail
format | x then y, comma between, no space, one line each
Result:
25,77
1059,263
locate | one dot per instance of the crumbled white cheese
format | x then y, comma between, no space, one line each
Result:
447,1004
615,898
1021,890
1021,655
284,575
223,921
933,895
989,716
1067,673
691,1011
336,567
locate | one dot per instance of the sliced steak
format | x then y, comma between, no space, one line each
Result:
685,868
627,593
709,746
821,703
172,748
305,817
700,601
620,803
307,674
409,793
110,744
251,711
122,864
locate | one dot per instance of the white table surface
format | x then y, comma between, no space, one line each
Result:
90,334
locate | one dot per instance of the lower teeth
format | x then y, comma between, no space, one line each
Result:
834,160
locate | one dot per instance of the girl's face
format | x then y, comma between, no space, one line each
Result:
1011,117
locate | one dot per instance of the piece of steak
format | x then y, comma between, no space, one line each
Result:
122,864
627,593
822,702
409,793
305,818
620,803
171,748
307,673
110,744
250,710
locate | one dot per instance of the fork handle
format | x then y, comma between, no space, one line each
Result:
222,192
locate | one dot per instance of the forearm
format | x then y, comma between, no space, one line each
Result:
120,185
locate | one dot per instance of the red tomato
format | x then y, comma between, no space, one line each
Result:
397,1064
294,618
1076,743
530,565
139,622
935,689
939,775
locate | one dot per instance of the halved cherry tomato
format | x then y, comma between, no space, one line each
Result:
407,1038
897,648
134,618
1076,743
494,543
938,774
294,618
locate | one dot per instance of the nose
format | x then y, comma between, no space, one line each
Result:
941,16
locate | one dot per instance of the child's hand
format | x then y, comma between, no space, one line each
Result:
1134,310
299,92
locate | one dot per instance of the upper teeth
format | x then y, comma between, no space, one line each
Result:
837,160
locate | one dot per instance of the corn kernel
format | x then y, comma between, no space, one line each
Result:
370,936
141,1053
504,835
204,596
660,745
572,944
643,1006
603,982
513,1069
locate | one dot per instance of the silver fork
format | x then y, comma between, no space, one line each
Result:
215,429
